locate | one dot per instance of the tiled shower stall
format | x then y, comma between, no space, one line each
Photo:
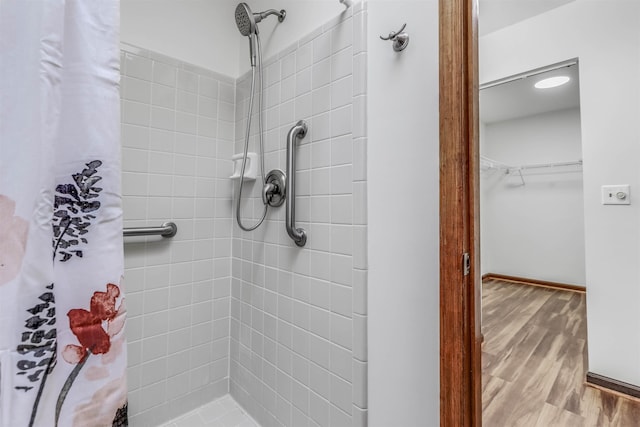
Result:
216,310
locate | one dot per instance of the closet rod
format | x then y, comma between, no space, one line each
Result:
547,165
494,164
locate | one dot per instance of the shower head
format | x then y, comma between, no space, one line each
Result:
244,20
247,25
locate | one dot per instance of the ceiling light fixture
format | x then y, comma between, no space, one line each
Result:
552,82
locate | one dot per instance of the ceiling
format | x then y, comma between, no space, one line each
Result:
497,14
519,98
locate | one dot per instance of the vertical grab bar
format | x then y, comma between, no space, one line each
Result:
298,235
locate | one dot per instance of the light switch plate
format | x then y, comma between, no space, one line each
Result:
616,195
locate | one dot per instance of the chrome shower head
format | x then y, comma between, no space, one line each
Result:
247,23
244,20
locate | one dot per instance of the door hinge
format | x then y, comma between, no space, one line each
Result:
466,263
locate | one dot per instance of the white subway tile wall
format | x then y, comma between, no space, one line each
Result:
177,137
286,325
298,316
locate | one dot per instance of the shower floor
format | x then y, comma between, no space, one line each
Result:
223,412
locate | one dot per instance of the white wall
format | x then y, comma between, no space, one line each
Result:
199,32
403,214
303,16
534,230
605,39
204,32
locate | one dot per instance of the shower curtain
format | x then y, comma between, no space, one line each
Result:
62,347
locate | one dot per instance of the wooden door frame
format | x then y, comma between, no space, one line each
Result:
460,334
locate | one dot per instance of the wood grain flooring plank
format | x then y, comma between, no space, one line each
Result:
552,416
535,361
591,408
568,385
507,329
488,361
490,387
628,413
508,363
508,408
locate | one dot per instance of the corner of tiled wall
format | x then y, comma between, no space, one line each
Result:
215,309
177,136
298,316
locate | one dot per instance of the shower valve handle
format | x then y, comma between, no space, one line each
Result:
267,192
273,192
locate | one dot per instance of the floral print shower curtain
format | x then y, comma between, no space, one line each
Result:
62,311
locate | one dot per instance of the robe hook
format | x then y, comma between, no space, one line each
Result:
399,38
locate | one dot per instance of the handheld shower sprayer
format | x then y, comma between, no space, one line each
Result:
252,49
273,184
247,24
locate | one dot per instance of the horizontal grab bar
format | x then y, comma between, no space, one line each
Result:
168,229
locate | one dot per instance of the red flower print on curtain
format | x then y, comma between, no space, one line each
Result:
94,330
89,328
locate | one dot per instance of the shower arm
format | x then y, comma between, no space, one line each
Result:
261,15
298,235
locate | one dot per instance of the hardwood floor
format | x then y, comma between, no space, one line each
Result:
534,361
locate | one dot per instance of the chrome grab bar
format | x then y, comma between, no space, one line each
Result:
298,235
168,229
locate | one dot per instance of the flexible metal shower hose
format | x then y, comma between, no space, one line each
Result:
246,139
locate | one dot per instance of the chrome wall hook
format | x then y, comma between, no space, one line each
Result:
399,38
